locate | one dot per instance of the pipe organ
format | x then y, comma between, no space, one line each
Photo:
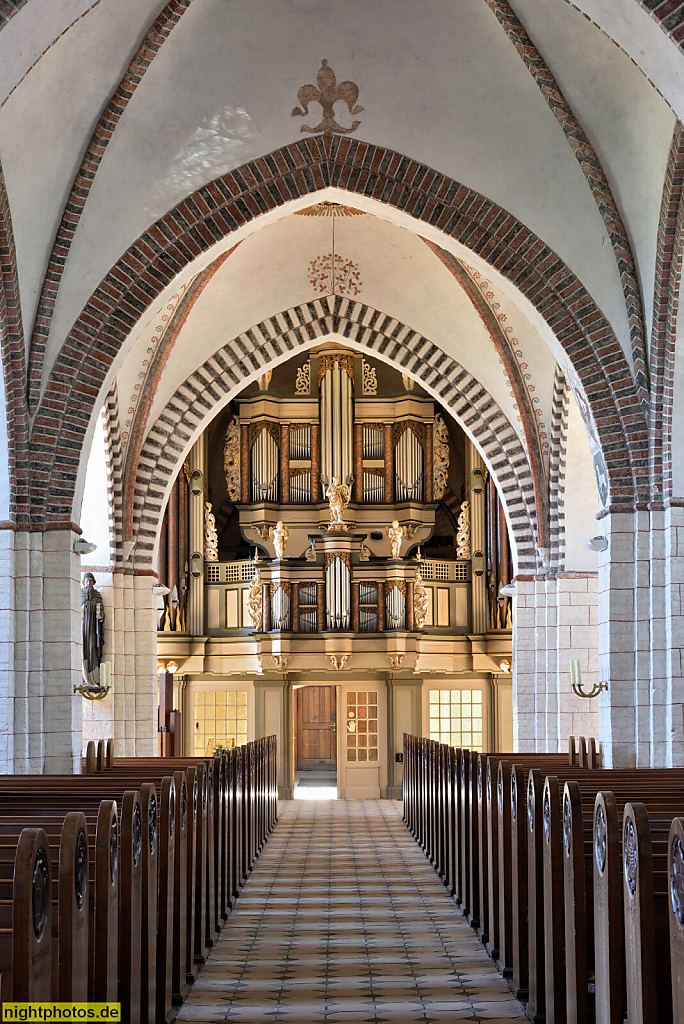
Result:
333,606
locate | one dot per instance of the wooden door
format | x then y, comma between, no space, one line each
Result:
316,739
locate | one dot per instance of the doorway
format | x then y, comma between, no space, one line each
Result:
315,742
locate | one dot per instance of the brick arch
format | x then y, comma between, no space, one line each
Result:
300,169
218,379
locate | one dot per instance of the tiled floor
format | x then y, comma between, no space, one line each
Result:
343,919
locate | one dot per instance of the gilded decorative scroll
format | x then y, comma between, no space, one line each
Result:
231,460
463,532
440,461
210,534
420,601
344,556
329,358
256,428
370,378
399,584
417,428
283,585
255,608
303,379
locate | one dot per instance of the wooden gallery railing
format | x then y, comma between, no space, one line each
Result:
115,884
571,875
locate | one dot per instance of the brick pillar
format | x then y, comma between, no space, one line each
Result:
355,607
266,605
320,610
381,606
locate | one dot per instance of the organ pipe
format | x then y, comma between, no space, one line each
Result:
337,594
408,467
264,467
336,425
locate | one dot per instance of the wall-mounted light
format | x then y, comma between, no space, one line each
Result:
159,590
479,563
477,481
196,482
166,666
507,591
128,546
91,692
576,680
596,543
83,546
544,556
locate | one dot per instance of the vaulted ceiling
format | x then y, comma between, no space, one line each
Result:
113,112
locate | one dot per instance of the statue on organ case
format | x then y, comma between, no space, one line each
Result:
396,534
338,496
280,536
93,623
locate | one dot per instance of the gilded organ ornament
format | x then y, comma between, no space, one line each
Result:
370,379
396,660
255,608
420,601
396,534
231,460
210,534
338,661
338,495
303,379
327,94
280,661
463,531
440,458
280,535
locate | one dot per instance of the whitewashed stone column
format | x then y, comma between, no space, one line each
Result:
128,714
624,601
40,652
555,619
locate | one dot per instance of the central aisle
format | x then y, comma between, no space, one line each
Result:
343,919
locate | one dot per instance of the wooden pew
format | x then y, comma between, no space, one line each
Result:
26,920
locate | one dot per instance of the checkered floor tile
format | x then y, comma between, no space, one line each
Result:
343,919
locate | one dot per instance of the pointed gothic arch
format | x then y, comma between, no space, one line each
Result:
283,335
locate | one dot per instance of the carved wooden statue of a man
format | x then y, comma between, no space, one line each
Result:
93,626
280,536
396,534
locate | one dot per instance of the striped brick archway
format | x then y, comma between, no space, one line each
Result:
212,384
303,168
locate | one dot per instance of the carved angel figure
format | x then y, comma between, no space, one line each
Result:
210,534
338,496
396,534
255,608
279,534
420,601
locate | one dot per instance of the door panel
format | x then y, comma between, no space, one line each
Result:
316,741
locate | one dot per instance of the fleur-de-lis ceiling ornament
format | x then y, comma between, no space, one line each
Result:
327,94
